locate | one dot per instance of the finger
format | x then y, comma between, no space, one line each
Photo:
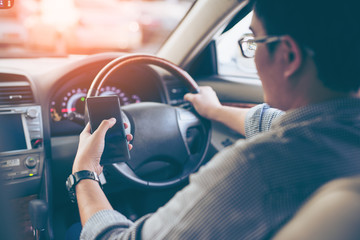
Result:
205,88
189,97
129,137
86,130
126,125
87,127
104,126
130,146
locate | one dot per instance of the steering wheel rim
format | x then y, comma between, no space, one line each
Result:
174,140
131,59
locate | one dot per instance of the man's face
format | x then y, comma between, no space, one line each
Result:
269,67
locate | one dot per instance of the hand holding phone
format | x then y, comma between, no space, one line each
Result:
116,145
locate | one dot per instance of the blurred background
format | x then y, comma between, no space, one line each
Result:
64,27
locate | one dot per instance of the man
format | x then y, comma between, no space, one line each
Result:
249,190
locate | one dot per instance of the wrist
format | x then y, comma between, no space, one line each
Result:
88,166
82,168
74,179
216,113
84,185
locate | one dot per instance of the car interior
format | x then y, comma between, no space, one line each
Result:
42,113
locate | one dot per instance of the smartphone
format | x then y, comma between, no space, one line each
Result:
116,145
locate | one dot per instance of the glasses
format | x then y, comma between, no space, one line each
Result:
248,43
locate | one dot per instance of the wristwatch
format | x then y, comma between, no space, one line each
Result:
75,178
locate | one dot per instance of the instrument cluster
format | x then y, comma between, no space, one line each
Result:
71,105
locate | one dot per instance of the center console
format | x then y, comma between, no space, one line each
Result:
21,147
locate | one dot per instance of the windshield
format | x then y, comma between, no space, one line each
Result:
63,27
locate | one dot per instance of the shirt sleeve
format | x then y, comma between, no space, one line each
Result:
208,208
103,222
260,118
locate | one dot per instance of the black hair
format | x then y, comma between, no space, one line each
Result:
329,28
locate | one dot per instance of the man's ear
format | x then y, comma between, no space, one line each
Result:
292,57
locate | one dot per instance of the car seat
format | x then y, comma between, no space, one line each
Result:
332,212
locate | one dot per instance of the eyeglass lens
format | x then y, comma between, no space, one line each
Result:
249,48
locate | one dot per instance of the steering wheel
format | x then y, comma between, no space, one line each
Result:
169,142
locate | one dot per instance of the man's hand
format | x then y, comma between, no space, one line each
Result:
91,146
90,196
206,102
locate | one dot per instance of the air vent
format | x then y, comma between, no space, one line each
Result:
15,93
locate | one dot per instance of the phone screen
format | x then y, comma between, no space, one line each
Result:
116,146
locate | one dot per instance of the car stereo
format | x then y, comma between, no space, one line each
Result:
21,137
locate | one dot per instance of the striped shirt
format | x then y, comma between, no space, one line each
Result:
250,189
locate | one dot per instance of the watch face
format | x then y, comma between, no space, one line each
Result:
70,182
70,187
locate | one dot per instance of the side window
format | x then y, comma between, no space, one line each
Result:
230,60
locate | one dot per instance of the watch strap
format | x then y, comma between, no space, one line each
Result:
76,177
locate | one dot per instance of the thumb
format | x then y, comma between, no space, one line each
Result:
189,97
104,127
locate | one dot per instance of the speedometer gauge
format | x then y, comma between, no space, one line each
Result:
72,104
